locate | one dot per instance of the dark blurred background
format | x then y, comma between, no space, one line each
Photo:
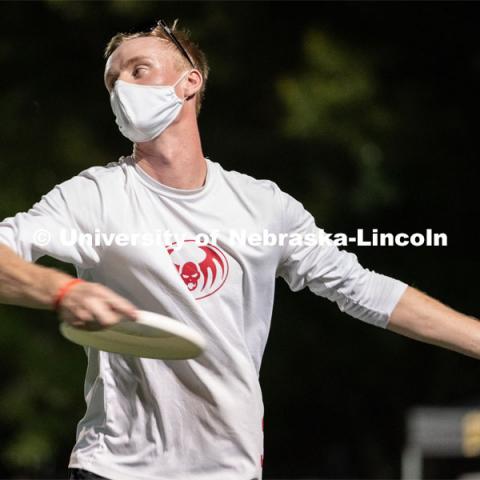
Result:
365,112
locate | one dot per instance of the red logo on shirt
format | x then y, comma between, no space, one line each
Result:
202,267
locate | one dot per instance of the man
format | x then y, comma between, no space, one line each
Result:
203,418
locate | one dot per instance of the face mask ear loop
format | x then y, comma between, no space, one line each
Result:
181,78
178,81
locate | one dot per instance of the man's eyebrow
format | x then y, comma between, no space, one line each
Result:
136,59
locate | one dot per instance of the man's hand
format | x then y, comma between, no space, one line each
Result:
423,318
92,306
85,305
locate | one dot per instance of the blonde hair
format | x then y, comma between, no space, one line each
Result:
183,36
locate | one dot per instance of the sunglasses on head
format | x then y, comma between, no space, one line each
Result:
173,38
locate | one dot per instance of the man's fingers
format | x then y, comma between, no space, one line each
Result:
103,313
80,318
118,303
92,306
125,309
90,326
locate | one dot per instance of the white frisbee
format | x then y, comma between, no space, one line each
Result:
151,336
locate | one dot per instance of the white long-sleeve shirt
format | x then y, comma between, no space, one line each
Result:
198,419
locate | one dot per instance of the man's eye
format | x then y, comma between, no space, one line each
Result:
138,70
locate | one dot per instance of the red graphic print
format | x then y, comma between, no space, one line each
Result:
203,268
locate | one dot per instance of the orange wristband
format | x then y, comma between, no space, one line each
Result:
63,290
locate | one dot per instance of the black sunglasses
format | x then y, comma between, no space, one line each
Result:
173,38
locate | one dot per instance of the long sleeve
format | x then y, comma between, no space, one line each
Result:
50,226
333,273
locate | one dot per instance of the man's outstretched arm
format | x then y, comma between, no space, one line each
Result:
423,318
86,305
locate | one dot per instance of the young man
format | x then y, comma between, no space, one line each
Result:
199,419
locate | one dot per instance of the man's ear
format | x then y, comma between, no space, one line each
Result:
194,83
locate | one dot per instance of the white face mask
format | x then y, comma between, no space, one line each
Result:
143,112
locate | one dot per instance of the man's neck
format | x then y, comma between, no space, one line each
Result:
175,158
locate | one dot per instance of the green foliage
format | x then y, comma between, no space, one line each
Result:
30,449
41,390
333,101
333,92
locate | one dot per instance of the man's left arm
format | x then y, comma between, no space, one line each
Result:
371,297
421,317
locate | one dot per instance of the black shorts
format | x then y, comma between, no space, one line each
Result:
80,474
